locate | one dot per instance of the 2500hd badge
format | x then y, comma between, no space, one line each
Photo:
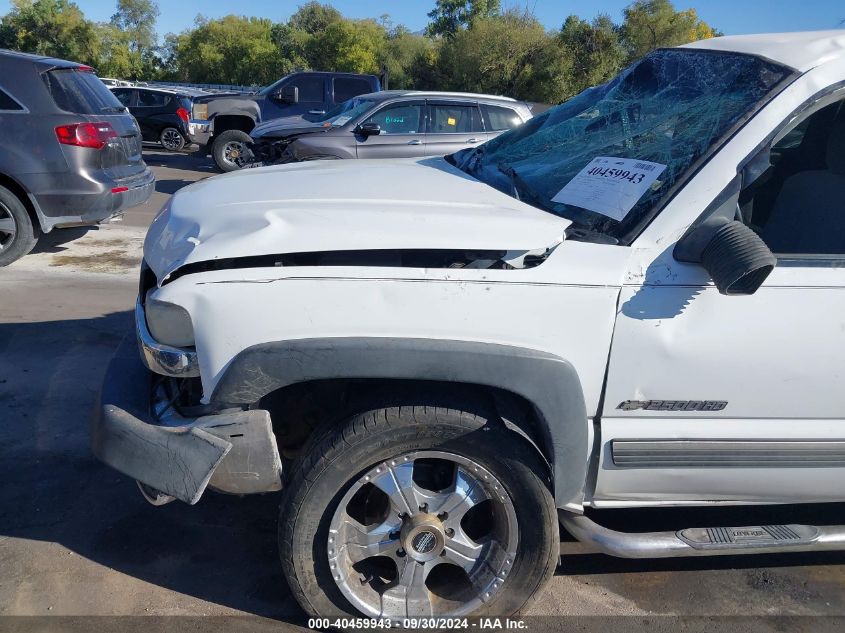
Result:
673,405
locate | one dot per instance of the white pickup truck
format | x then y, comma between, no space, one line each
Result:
634,299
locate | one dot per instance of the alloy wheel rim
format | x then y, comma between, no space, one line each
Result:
234,153
171,139
8,227
427,533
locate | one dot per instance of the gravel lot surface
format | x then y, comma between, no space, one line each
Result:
77,539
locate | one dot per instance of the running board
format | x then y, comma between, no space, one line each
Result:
756,539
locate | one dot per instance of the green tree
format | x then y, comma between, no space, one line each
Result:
50,27
509,54
314,17
230,50
450,16
348,45
594,51
405,55
651,24
137,18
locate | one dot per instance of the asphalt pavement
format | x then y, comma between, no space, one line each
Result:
76,538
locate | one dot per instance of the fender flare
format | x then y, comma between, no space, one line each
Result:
547,381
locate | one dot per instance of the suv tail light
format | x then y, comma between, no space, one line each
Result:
183,114
93,135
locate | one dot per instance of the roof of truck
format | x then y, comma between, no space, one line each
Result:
800,50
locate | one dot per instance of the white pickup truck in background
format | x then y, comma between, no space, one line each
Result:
634,299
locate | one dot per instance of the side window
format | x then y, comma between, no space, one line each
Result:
498,118
150,99
399,118
310,89
454,119
798,204
348,87
7,103
124,96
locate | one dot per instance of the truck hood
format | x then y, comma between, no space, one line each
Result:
350,205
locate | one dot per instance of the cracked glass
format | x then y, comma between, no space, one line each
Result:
672,107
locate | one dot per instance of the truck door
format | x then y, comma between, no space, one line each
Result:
313,97
740,398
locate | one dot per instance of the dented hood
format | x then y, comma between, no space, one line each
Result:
423,203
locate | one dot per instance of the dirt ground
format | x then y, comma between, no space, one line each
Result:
76,538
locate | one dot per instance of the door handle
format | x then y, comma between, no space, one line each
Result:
416,141
316,111
473,140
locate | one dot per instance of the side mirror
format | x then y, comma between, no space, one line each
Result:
368,129
734,255
287,94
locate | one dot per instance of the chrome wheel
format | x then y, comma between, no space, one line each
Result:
234,153
425,533
8,228
172,140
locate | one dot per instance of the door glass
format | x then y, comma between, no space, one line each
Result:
348,87
798,205
150,99
455,119
7,103
124,96
497,118
401,118
310,89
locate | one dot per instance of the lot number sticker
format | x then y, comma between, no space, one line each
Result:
610,186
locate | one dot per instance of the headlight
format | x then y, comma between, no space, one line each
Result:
169,324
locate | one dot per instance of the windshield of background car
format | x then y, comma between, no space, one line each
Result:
80,92
607,158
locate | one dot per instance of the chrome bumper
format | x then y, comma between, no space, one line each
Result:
159,358
199,132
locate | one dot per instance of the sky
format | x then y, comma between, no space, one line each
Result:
732,17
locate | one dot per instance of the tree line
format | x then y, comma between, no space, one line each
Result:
468,45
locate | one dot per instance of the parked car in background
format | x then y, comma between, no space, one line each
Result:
162,114
111,83
223,122
70,153
391,124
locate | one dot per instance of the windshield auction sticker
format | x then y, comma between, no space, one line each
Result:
610,186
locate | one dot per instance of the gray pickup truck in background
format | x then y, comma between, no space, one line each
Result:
222,123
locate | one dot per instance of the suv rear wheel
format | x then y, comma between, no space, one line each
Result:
418,510
171,139
17,233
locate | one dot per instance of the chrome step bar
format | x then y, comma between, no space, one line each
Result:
756,539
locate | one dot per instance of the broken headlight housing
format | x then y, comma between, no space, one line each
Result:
169,324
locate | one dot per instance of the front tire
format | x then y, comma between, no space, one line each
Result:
18,235
231,150
430,508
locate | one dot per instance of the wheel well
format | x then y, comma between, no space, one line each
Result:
227,122
21,195
301,409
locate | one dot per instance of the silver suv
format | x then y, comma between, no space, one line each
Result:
70,153
392,124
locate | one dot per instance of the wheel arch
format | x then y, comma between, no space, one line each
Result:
226,122
555,418
26,200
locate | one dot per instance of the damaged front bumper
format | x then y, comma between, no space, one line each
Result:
137,432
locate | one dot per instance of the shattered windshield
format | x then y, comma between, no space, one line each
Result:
607,157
